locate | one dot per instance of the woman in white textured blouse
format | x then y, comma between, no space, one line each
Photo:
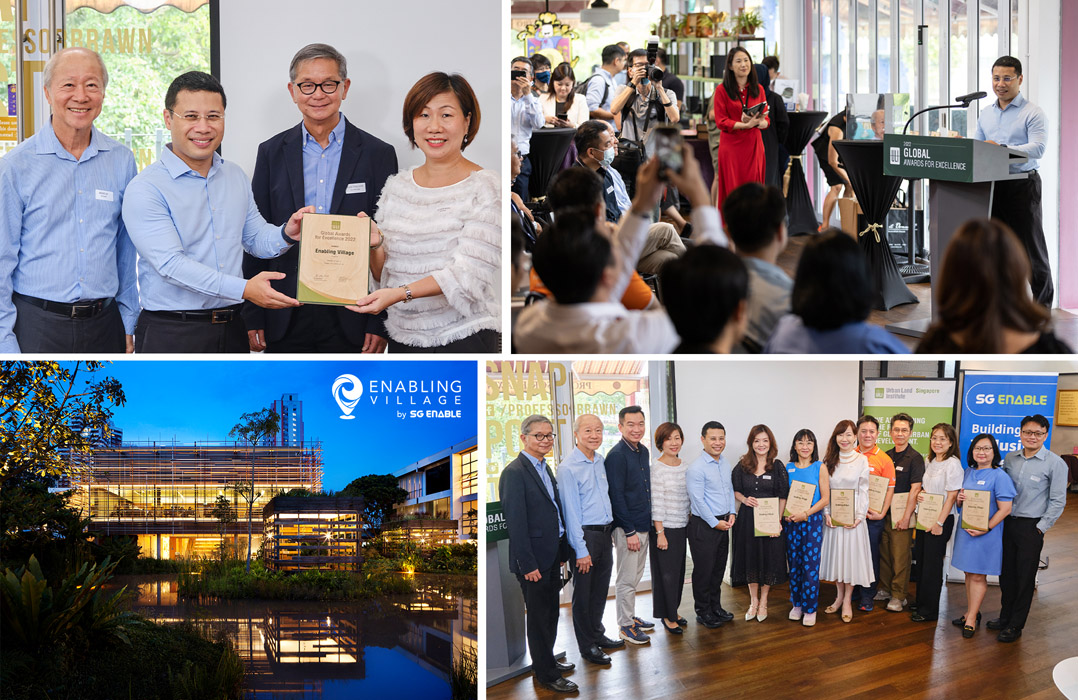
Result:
436,250
670,518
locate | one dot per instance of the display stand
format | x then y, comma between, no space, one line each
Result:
799,205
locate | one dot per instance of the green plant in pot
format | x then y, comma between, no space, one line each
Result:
748,22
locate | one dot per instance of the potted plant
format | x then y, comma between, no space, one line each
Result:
748,22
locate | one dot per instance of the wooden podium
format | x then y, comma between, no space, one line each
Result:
961,174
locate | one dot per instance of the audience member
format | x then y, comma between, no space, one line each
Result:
530,228
776,135
599,93
526,115
541,71
827,157
705,295
832,297
983,302
670,81
754,217
562,99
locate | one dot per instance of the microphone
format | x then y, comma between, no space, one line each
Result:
966,99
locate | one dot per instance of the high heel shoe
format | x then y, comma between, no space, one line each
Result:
961,621
847,617
833,607
761,614
752,611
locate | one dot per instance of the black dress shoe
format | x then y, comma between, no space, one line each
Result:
961,621
1009,634
918,617
709,621
564,666
608,643
595,655
912,607
561,685
676,629
682,621
996,624
724,615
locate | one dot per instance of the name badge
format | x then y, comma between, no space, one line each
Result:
356,188
1034,478
767,476
609,189
901,469
105,195
980,483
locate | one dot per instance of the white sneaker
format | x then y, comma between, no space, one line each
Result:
882,595
809,620
795,613
896,605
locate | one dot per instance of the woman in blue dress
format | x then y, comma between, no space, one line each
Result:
804,530
980,554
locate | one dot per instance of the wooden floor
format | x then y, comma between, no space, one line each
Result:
879,656
1065,323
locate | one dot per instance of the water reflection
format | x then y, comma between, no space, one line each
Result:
402,646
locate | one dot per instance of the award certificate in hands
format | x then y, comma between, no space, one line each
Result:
975,510
800,499
334,259
842,512
928,513
877,492
898,507
766,517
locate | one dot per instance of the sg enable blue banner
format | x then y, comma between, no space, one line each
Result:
996,403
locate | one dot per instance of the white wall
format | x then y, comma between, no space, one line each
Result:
784,395
389,46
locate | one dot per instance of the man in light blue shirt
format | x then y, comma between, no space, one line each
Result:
603,85
526,115
67,266
712,505
191,215
1040,481
1015,122
585,497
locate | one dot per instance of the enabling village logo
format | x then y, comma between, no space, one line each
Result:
347,390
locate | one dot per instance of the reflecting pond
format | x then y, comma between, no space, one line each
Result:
397,646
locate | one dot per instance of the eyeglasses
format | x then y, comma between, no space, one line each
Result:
1004,78
983,449
542,437
1032,433
195,117
329,87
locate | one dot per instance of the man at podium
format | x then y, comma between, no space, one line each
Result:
1017,123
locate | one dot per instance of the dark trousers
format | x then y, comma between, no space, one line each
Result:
520,185
875,529
156,332
590,589
541,604
1022,543
313,328
709,548
485,341
668,572
1017,203
38,330
931,550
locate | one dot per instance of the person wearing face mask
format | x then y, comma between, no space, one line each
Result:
562,99
541,71
526,116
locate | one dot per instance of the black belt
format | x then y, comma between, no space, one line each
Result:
224,315
598,528
1021,517
80,309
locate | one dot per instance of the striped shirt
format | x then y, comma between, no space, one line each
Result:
191,231
61,235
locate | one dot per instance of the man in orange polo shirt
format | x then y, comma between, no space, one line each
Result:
879,464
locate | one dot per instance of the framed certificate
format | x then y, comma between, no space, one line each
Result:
877,492
334,259
800,498
766,517
842,512
928,513
975,510
898,507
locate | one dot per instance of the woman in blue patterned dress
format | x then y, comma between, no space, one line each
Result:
804,530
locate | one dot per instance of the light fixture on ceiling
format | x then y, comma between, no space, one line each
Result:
599,14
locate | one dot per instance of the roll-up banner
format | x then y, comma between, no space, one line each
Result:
995,403
928,401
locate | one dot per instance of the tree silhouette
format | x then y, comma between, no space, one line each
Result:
252,428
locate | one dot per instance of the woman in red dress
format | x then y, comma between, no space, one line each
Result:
741,146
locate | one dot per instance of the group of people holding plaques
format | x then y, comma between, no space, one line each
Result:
191,256
845,512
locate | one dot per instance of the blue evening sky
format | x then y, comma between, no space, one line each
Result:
202,400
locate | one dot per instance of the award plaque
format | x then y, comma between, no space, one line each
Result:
334,259
877,492
842,512
928,514
975,510
766,517
898,507
800,499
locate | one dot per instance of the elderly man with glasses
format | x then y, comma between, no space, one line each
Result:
67,266
1040,480
537,547
191,215
326,162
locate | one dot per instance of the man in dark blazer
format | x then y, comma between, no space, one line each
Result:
330,164
530,502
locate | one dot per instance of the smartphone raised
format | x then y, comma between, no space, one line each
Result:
514,74
666,144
